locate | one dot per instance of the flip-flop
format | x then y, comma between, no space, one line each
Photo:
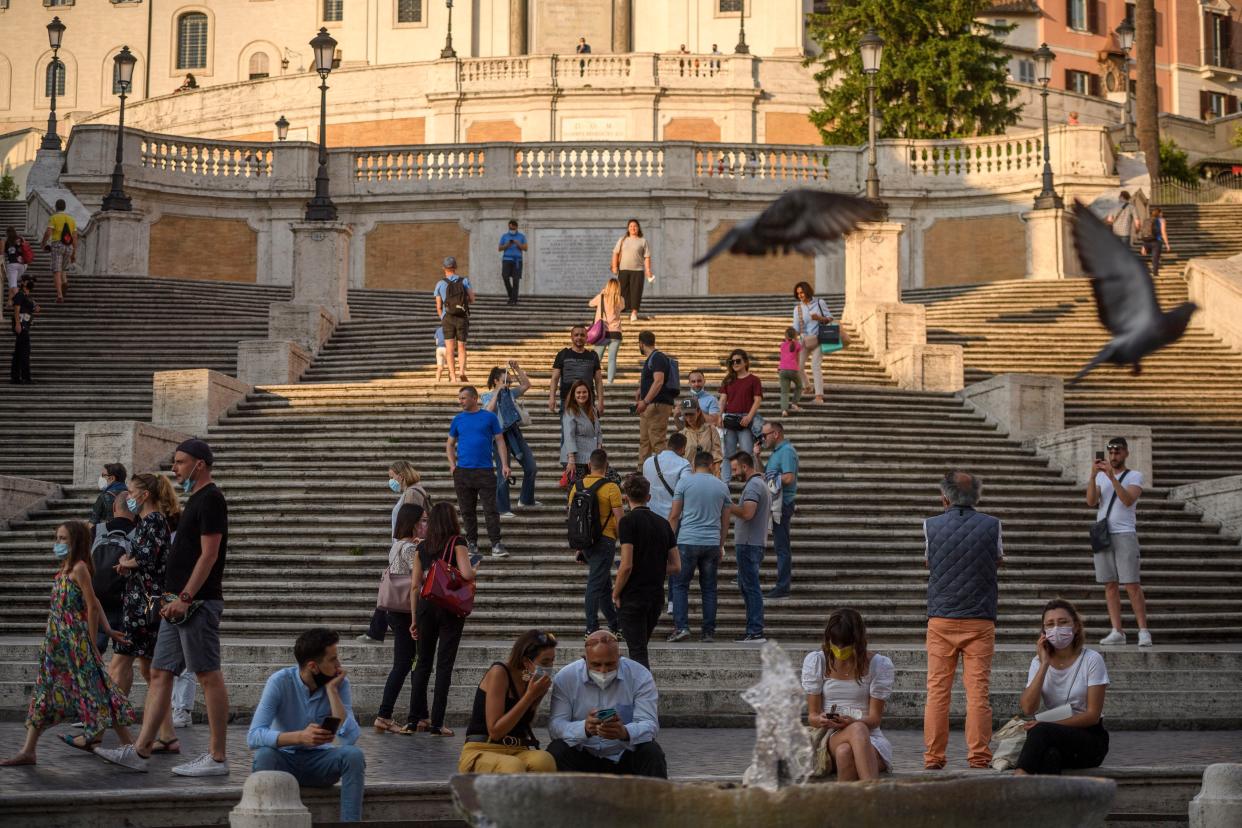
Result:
71,741
161,746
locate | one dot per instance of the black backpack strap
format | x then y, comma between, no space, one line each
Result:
1109,510
593,489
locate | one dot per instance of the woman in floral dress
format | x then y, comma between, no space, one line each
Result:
152,498
72,683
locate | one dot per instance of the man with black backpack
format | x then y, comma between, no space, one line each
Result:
454,295
658,388
594,515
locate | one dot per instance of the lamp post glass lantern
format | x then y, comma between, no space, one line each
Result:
282,129
871,49
1047,198
116,198
320,207
1125,39
448,52
55,36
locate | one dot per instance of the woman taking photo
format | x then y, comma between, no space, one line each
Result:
847,688
401,562
501,399
631,262
580,430
740,396
72,683
608,305
1068,681
436,629
808,314
499,738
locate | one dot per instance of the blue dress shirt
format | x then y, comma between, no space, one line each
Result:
287,705
633,694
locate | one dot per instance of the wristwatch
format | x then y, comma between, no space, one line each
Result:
185,597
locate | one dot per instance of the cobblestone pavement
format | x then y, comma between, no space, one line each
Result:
422,758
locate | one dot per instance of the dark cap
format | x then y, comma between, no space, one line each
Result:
689,404
1119,442
198,449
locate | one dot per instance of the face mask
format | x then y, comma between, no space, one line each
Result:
131,504
102,482
395,485
841,653
1060,637
602,680
321,679
540,671
187,485
60,550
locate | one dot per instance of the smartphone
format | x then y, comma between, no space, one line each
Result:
331,724
1099,455
606,714
475,560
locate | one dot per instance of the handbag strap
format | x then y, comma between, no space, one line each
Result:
1109,510
655,458
1069,690
599,308
449,549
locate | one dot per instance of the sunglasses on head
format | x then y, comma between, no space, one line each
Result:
545,639
1116,449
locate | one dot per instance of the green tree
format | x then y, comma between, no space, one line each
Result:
1175,163
943,72
8,189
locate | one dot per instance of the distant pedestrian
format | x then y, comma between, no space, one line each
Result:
454,296
781,475
657,392
502,400
583,48
469,448
1072,120
1114,491
512,247
631,262
809,314
581,432
663,471
17,256
24,310
791,372
410,528
600,554
700,517
111,483
608,305
577,363
649,554
1154,234
1123,219
741,394
708,404
441,353
962,553
61,239
751,518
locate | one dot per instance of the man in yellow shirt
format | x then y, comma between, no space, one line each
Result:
600,555
61,239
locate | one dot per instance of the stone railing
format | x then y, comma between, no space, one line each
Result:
631,161
211,159
419,165
977,155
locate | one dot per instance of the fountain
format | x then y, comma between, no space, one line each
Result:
774,792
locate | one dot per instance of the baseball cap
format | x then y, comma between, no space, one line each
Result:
198,449
450,261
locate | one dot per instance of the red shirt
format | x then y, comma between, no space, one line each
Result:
741,393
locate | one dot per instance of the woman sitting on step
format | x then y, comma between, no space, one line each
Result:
1068,681
847,688
499,738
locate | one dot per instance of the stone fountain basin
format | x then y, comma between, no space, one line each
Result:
563,800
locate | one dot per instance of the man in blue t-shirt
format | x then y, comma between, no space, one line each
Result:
512,246
469,449
700,517
782,464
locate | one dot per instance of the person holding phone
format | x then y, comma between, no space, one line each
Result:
303,710
499,738
1119,565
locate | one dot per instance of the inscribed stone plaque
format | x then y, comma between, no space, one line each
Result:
593,129
559,23
573,262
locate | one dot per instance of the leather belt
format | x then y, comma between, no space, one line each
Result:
506,741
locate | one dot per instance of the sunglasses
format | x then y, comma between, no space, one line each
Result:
544,640
737,361
1115,449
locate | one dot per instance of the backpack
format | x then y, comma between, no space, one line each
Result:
66,235
583,523
1147,229
456,299
107,550
27,253
672,383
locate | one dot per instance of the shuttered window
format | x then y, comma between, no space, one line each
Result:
333,10
259,65
192,41
409,11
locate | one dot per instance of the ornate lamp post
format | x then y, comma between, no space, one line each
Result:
448,51
1125,39
55,33
871,47
282,129
741,48
1047,197
321,208
116,198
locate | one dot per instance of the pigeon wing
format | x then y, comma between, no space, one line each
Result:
1125,296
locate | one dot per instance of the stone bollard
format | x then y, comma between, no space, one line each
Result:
270,799
1219,802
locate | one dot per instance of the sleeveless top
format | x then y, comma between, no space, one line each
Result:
478,716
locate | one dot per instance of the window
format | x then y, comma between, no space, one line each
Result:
731,6
1076,15
1217,104
1216,41
58,2
192,41
1026,71
409,11
258,65
1084,83
55,73
333,10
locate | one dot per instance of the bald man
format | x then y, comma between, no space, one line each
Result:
604,714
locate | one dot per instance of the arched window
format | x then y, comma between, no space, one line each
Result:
192,41
258,65
54,74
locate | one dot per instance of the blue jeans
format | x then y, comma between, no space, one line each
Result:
598,597
612,345
322,768
748,559
780,539
704,558
735,441
519,454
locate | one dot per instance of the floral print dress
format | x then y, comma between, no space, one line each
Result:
143,587
72,683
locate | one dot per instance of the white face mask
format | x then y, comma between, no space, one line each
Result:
102,482
602,680
1060,637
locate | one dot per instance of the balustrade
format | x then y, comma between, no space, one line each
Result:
410,164
632,161
973,156
792,165
208,159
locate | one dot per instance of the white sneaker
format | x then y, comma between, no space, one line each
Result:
125,756
202,766
1144,638
366,639
507,515
182,718
1114,637
499,551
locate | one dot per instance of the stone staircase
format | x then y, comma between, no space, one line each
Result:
1213,230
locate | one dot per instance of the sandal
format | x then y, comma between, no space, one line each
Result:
166,746
387,726
84,746
439,731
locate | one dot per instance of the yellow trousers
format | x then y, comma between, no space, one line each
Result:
483,757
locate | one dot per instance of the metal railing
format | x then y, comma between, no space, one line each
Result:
1172,191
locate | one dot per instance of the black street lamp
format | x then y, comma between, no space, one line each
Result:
871,48
1125,39
321,208
282,128
447,51
1047,198
116,198
741,48
55,33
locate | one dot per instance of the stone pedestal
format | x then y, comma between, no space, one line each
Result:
18,495
46,170
1073,450
890,325
1218,500
872,268
120,243
271,362
1215,285
270,799
1219,802
1050,245
141,447
321,265
1024,406
193,401
926,367
306,323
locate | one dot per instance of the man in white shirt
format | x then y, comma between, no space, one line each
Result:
1119,564
663,470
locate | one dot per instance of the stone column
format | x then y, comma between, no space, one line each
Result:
321,265
1024,406
309,324
141,447
674,275
270,799
193,400
1219,802
271,362
622,26
518,27
1073,450
120,242
872,268
20,495
1050,250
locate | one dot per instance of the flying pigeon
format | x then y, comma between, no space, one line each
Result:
801,220
1125,296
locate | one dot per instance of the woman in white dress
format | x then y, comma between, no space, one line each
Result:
846,691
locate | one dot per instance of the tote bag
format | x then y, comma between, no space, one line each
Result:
444,586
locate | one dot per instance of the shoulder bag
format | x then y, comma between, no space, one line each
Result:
1101,540
444,586
829,332
598,331
655,459
394,591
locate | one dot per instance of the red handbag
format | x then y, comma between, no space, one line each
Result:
444,586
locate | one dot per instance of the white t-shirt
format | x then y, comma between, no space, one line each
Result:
673,466
1056,682
1121,519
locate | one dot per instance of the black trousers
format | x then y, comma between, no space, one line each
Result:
439,634
379,624
632,282
403,650
511,274
645,760
639,615
19,368
1051,748
473,485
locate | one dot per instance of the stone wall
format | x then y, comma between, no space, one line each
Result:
193,247
409,255
790,128
752,274
377,133
483,132
974,249
691,129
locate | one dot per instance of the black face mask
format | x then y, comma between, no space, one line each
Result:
321,679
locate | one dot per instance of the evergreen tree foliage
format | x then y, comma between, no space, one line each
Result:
8,189
943,72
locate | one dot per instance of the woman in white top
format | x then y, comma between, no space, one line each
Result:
608,305
1068,682
846,691
808,313
402,481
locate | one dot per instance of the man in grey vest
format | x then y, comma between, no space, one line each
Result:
963,552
